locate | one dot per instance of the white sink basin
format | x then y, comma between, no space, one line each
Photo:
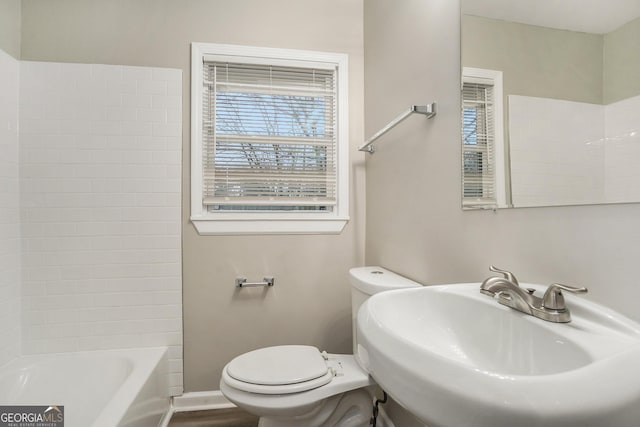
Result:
457,358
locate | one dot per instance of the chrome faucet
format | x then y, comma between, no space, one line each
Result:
551,307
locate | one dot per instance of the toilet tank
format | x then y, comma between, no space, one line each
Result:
367,281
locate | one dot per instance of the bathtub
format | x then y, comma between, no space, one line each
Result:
109,388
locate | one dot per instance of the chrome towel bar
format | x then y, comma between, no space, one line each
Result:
428,110
241,282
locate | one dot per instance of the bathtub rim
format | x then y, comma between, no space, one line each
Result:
144,361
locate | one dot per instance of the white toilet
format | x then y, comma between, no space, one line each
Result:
300,386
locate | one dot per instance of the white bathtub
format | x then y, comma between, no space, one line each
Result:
110,388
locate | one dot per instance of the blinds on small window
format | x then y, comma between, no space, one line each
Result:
478,137
269,137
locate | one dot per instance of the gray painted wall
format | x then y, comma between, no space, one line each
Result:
10,27
310,303
536,61
415,224
622,62
559,64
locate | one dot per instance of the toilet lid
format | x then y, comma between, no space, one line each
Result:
280,365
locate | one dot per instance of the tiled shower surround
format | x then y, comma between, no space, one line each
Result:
595,150
9,211
99,172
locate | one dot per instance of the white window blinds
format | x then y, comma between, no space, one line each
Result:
478,138
269,137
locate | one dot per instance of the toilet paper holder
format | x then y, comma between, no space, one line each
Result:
241,282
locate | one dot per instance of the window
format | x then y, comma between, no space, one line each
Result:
483,175
269,140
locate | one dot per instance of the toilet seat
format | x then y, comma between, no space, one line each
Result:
348,376
279,370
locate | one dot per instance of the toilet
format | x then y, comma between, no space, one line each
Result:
301,386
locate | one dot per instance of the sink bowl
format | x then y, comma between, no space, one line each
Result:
457,358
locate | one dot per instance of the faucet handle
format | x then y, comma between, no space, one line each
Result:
507,274
553,298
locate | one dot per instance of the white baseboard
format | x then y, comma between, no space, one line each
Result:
201,401
207,400
164,422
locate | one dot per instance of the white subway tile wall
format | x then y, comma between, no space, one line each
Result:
100,175
9,211
565,152
622,150
556,151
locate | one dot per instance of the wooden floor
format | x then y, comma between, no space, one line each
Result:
232,417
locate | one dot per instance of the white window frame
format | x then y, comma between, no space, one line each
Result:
222,223
494,77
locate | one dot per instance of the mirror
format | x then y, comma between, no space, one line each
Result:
551,102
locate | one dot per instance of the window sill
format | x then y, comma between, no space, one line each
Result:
229,227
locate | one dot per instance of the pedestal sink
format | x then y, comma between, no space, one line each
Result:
456,358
